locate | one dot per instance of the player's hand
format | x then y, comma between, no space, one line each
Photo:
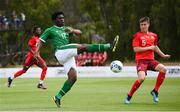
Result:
167,56
69,30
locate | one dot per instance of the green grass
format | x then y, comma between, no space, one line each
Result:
88,94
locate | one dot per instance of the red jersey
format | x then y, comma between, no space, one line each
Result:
141,39
33,42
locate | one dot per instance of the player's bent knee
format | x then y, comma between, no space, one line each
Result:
24,70
81,48
72,75
141,76
163,69
141,79
73,79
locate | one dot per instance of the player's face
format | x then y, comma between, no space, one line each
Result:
38,31
60,20
144,26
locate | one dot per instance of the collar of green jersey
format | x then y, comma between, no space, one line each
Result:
62,27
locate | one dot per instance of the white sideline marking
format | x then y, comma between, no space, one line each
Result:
128,71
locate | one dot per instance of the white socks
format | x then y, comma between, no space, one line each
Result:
40,81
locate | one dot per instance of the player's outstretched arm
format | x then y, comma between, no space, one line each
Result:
160,53
77,31
142,49
72,30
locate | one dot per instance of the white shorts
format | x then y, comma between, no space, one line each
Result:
66,58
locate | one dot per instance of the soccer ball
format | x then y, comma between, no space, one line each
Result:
116,66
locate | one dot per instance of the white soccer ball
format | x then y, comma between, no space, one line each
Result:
116,66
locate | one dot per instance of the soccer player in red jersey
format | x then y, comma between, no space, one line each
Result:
144,45
31,60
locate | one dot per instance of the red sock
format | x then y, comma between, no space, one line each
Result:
43,74
134,87
17,74
159,81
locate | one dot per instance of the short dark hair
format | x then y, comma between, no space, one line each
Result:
34,29
143,19
55,14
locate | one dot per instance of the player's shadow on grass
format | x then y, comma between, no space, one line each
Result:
132,103
142,103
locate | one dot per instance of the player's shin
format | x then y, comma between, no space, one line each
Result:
66,87
98,47
19,73
43,74
134,88
159,81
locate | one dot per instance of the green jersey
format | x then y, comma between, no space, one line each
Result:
58,37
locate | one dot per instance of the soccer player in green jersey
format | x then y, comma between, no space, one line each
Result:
59,36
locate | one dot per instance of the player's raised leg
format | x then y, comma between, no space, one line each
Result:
98,47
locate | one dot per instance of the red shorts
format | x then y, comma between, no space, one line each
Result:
145,64
30,60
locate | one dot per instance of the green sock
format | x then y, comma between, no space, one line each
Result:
98,47
66,87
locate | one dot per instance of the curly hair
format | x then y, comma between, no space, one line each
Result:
55,14
34,29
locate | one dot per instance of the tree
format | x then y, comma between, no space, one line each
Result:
165,18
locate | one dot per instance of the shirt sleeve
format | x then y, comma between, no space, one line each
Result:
135,41
45,35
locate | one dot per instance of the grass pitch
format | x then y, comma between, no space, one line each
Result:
88,94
